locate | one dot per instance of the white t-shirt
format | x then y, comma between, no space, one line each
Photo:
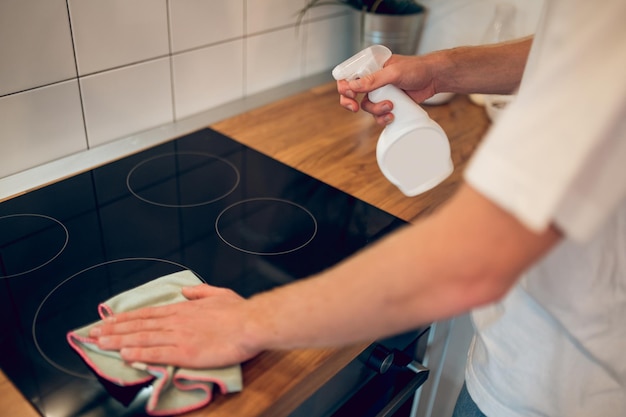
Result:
556,344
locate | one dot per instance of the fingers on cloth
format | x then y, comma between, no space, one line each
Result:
201,291
160,354
122,336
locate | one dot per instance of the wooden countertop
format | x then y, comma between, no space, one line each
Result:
312,133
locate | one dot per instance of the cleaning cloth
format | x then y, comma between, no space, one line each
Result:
175,390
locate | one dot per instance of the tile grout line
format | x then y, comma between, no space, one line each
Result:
171,58
80,90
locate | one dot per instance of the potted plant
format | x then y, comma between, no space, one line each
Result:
396,24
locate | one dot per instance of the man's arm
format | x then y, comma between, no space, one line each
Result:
489,69
468,253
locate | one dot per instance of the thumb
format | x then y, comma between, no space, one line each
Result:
371,82
200,291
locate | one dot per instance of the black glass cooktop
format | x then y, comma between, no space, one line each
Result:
202,202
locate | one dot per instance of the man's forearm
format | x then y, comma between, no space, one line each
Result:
467,254
489,69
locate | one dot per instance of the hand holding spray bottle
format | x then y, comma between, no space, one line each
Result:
413,151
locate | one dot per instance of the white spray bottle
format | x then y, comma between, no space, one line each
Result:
413,151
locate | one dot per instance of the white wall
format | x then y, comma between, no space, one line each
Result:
464,22
75,74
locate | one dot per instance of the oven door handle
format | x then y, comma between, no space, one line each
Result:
421,375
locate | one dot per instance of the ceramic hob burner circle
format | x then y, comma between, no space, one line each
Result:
73,303
266,226
183,179
42,238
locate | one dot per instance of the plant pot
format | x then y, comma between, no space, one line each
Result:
400,33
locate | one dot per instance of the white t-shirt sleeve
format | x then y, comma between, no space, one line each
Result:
558,153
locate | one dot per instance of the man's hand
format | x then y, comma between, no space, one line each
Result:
205,332
409,73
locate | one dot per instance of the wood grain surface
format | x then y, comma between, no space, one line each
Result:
11,401
313,133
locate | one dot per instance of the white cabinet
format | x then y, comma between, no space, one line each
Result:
445,357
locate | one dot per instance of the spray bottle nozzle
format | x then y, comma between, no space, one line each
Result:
367,61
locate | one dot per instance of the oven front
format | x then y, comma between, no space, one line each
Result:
381,382
202,202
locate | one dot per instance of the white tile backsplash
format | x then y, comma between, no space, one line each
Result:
112,33
461,22
328,43
207,77
273,58
196,23
264,15
40,125
35,44
79,73
128,99
327,9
